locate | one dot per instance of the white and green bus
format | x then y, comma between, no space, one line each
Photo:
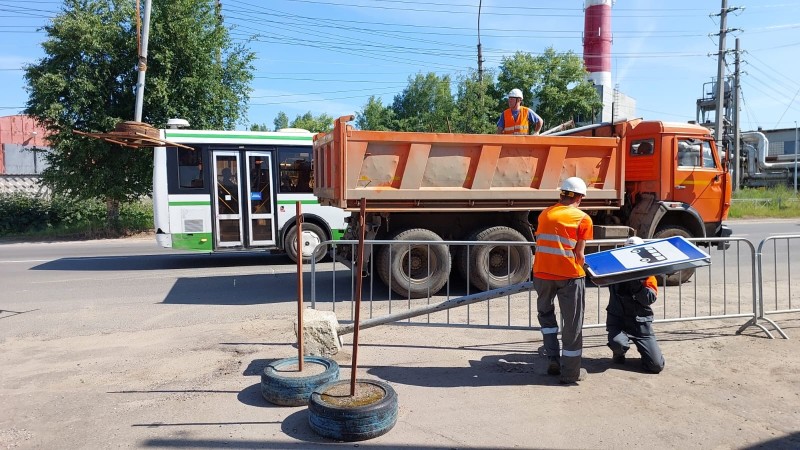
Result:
237,190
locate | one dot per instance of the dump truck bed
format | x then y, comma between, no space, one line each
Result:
400,171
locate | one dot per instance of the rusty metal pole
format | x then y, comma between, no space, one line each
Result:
300,330
358,272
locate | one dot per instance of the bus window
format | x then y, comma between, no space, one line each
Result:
295,171
190,168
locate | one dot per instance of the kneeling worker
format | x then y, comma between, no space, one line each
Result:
630,318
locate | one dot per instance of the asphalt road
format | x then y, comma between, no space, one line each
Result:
119,343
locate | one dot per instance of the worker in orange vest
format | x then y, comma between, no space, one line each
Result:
629,318
518,119
561,237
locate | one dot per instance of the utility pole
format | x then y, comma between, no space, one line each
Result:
736,129
723,13
480,54
795,157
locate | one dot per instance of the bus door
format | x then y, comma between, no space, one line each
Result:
260,206
228,204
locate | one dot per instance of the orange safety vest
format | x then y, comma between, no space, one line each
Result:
560,228
652,284
519,126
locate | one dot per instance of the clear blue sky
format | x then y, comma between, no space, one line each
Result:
329,56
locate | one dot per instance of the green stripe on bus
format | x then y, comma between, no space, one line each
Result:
192,203
303,202
238,136
192,241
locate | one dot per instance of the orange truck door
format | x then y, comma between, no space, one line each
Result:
698,179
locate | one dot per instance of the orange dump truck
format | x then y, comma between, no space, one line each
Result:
651,178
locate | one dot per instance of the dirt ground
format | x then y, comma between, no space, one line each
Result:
198,387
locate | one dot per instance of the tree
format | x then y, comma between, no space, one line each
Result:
476,102
426,104
375,116
281,121
319,124
553,83
86,82
562,89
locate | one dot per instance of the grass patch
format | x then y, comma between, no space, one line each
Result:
776,202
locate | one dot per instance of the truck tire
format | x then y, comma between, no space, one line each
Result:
313,235
334,414
496,266
414,270
680,277
280,386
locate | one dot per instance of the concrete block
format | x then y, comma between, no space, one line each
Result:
320,337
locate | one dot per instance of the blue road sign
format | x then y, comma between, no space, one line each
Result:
638,261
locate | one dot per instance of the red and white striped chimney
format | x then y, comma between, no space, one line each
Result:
597,49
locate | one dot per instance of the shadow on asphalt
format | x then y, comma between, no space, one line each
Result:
162,262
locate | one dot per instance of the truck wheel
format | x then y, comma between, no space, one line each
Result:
371,412
414,270
312,237
495,266
675,278
282,384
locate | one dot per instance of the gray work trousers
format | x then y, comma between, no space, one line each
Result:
639,330
571,303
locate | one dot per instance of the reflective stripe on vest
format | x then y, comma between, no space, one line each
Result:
518,126
571,353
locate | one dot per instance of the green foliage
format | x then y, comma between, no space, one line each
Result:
32,215
552,83
282,121
779,201
426,104
86,82
315,124
476,103
375,116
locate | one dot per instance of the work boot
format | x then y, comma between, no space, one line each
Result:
553,366
618,358
582,374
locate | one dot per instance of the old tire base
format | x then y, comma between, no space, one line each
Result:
334,414
279,388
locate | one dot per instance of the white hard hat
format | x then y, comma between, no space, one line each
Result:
634,240
515,93
574,184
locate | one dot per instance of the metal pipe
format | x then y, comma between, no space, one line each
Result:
137,114
428,309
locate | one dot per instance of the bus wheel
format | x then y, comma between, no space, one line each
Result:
335,414
414,270
680,277
282,384
495,266
312,237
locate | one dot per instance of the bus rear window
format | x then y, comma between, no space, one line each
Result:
190,168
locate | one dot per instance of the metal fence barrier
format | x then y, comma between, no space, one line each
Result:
729,288
776,278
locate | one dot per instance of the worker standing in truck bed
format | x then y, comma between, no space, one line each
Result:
518,119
